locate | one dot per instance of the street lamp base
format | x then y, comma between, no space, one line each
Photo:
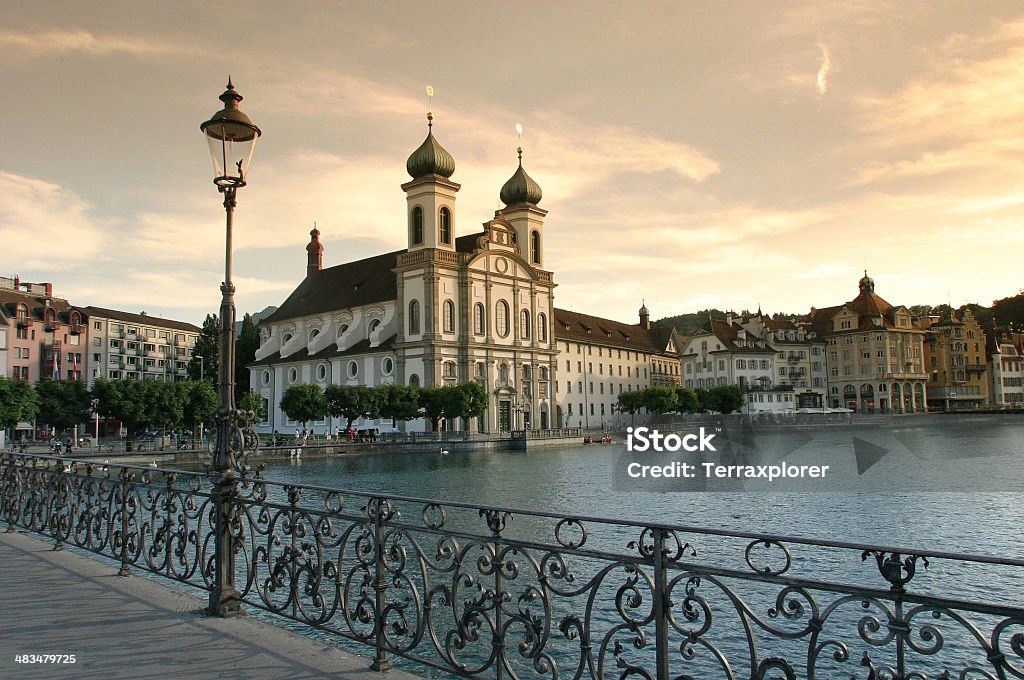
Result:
226,604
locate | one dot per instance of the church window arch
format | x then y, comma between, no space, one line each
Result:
416,225
535,247
449,316
445,225
542,327
524,324
479,319
501,319
414,317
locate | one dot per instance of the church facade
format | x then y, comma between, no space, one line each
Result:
441,311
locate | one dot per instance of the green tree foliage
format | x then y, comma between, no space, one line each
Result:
352,402
433,402
686,400
630,402
199,401
660,399
721,399
399,402
63,403
251,401
474,400
245,353
140,404
466,400
304,403
164,404
18,401
1009,310
208,347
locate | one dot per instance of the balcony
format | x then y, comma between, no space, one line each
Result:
50,326
76,329
24,322
976,368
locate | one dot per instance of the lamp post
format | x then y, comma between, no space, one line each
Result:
231,137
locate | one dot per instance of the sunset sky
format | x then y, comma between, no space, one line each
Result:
693,154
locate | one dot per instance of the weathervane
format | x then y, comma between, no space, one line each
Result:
430,97
519,137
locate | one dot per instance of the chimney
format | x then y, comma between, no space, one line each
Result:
314,253
17,282
48,287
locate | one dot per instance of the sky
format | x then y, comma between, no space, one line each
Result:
692,154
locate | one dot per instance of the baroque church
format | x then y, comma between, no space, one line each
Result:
448,309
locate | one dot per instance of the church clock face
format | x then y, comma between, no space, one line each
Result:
501,264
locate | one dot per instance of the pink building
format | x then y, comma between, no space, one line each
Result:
45,335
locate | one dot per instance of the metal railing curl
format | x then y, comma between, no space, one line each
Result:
500,592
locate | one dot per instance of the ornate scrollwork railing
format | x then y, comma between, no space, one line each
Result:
498,592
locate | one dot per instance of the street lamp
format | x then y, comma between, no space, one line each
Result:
231,137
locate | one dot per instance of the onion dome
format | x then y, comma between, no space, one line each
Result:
643,309
520,187
867,284
430,158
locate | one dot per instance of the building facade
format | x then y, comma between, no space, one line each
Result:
46,336
126,346
874,354
1005,370
955,358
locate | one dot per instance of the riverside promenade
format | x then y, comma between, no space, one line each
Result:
61,603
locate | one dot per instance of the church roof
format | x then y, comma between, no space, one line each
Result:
342,286
577,327
329,352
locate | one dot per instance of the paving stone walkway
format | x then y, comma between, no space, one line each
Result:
63,603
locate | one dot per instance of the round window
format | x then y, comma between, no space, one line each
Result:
353,369
293,375
266,377
387,366
321,372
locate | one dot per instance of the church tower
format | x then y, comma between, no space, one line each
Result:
430,195
521,194
314,253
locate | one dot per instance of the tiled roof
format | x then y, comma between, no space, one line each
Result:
329,352
10,299
576,327
141,319
341,287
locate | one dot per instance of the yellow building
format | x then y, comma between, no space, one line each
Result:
954,350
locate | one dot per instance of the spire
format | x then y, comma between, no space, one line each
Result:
645,316
314,252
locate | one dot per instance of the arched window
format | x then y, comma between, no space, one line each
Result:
535,247
446,225
449,316
542,327
374,324
313,334
414,380
22,312
414,317
478,319
524,324
501,318
342,329
449,369
417,225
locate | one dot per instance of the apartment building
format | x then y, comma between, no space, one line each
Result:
127,346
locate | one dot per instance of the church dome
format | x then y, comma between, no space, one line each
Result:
643,310
430,158
867,284
520,187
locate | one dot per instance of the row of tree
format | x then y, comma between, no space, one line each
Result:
305,403
137,404
669,399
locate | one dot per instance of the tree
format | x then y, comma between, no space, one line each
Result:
245,353
208,347
199,401
630,402
727,398
251,401
686,400
164,404
432,402
352,402
63,403
660,399
475,400
18,401
304,403
123,400
399,402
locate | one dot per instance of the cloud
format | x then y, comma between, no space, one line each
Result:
823,70
825,270
64,41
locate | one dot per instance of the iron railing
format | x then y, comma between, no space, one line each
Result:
498,592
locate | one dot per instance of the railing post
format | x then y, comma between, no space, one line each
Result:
225,600
59,506
661,605
8,499
381,510
124,570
